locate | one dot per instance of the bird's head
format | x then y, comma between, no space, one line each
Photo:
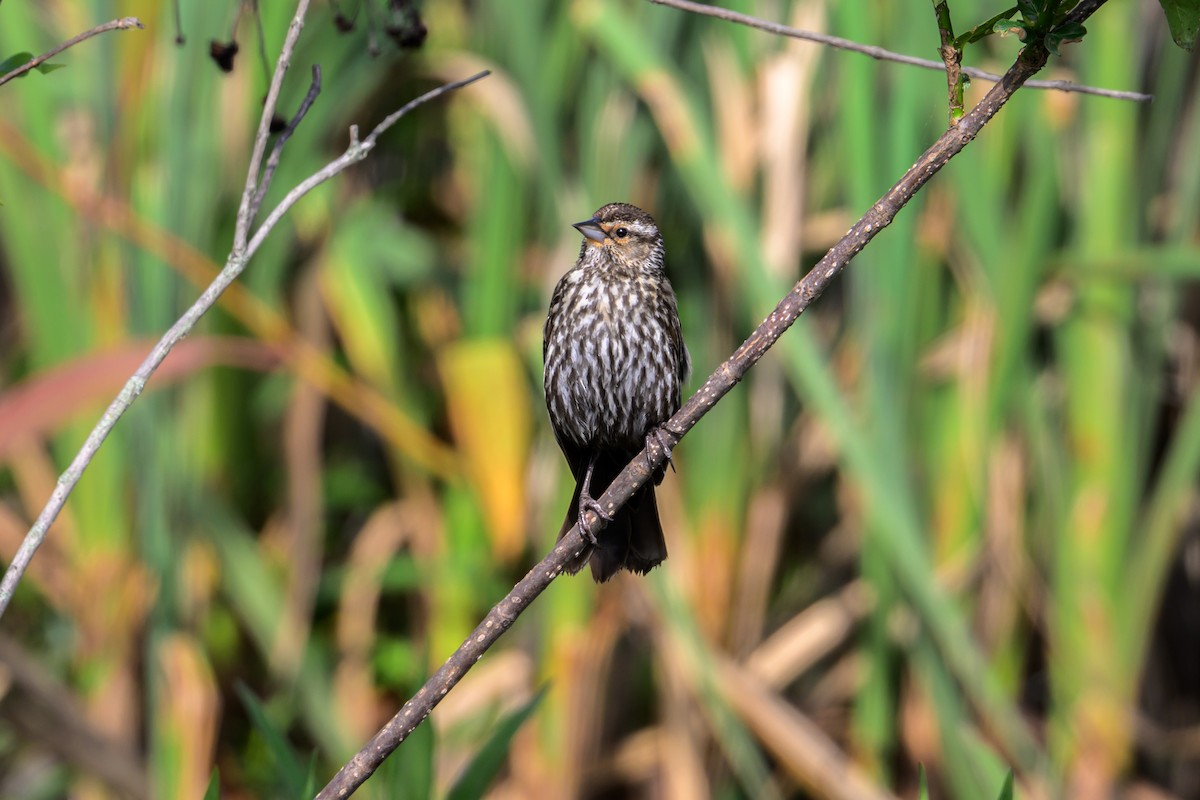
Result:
623,236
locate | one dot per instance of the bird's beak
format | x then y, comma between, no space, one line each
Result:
591,229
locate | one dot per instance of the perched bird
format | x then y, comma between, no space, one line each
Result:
615,363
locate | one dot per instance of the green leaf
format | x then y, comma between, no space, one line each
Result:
1065,34
213,792
983,29
1071,31
310,780
14,61
922,784
287,765
20,59
1011,27
1183,17
1006,791
478,774
1030,11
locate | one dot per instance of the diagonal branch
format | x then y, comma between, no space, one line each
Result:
125,23
727,375
1083,11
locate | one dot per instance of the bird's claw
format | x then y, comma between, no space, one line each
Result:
589,503
665,438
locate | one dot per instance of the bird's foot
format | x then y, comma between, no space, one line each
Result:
666,438
589,503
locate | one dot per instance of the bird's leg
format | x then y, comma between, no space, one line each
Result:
589,503
666,438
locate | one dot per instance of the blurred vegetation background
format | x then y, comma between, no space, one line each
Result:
951,520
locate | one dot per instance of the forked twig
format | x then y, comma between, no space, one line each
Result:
234,265
314,89
241,230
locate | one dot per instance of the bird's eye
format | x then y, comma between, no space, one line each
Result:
622,232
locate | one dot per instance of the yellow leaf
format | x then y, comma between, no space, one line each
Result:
488,400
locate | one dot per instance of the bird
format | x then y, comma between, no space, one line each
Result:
615,365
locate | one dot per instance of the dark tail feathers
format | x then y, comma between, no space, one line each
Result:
633,540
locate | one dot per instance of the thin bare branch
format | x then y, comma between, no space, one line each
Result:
314,89
887,55
727,375
357,151
122,24
952,60
1082,11
133,387
244,217
234,266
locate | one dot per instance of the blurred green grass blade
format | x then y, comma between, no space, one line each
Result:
256,595
254,591
534,44
1179,166
372,256
288,769
1161,526
614,138
736,743
922,785
310,779
408,773
463,573
715,496
1006,791
49,275
479,773
213,792
1091,675
902,545
875,701
884,324
1048,454
401,574
1018,265
496,227
1169,262
971,767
